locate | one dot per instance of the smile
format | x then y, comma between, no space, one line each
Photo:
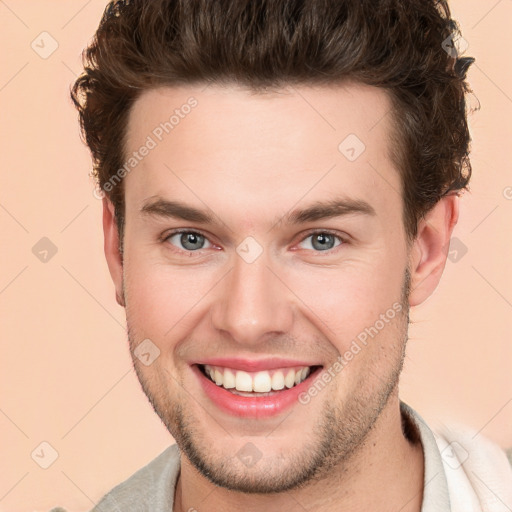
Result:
254,394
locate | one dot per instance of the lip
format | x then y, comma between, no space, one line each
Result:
253,407
248,365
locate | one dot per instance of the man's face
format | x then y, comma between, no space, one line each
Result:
259,284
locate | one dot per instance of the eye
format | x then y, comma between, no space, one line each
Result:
192,241
322,241
188,241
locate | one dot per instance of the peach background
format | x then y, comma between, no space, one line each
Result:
66,372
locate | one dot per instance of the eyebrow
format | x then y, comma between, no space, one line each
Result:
325,210
319,210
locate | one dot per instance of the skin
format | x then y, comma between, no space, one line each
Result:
250,159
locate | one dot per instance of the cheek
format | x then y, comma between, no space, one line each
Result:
161,299
343,302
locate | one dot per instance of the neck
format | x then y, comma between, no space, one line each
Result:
388,469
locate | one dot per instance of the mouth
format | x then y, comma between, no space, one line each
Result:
255,394
262,383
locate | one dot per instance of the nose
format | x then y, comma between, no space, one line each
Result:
252,302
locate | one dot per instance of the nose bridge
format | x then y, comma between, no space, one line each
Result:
252,302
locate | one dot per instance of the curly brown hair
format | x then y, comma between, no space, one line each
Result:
402,46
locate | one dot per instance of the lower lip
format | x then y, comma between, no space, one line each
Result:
252,407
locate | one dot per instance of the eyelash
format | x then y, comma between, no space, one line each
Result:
343,240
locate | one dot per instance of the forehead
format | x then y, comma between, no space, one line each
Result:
237,148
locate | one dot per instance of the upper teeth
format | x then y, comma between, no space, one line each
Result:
261,382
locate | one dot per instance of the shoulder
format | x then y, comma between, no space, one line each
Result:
150,488
473,460
464,471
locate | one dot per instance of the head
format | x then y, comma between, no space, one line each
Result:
313,152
